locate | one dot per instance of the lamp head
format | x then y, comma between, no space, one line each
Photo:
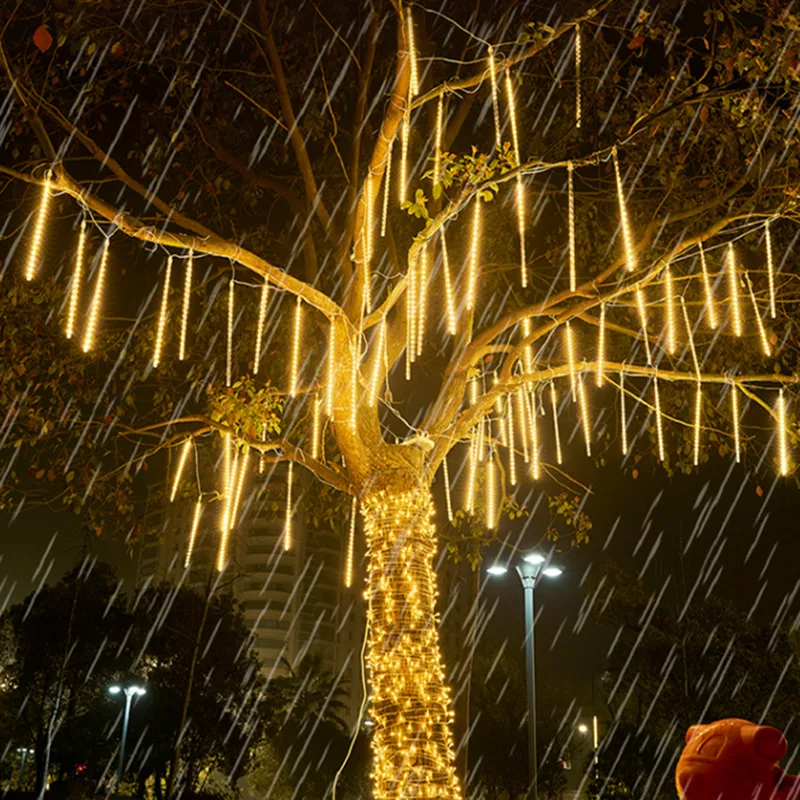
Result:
552,572
534,558
114,689
497,569
583,728
140,690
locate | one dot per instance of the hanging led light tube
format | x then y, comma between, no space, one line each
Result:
783,444
474,247
262,318
315,429
331,381
296,333
623,414
698,410
187,291
229,352
423,297
627,239
711,310
77,276
586,422
185,450
578,109
450,305
495,104
571,360
770,272
735,415
762,333
448,499
162,314
571,222
386,178
198,511
659,422
670,299
377,364
601,346
556,432
287,523
351,538
239,486
512,454
490,491
97,298
733,286
38,231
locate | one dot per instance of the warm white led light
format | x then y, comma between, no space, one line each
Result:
423,297
762,333
450,304
38,231
659,422
578,110
601,346
187,292
448,499
351,538
670,301
97,298
770,272
315,429
287,523
162,314
627,239
412,54
733,287
783,443
557,434
185,450
229,353
571,222
490,492
77,277
570,359
474,248
623,416
377,364
737,449
198,511
711,310
262,318
495,104
583,404
296,334
698,410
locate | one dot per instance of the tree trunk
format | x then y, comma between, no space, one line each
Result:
412,742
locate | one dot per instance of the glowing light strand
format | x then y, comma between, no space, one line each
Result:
623,421
405,135
601,346
229,352
386,178
437,153
287,522
447,498
670,301
711,310
690,337
472,466
315,429
533,428
450,304
570,359
351,539
413,86
571,221
783,444
770,271
630,255
198,511
187,293
97,298
578,109
239,486
377,364
583,404
367,244
659,422
296,334
77,277
762,333
474,247
422,306
556,432
355,359
331,378
640,304
520,188
733,288
523,427
698,410
495,103
262,318
162,314
490,492
512,452
226,478
225,522
185,450
38,231
735,415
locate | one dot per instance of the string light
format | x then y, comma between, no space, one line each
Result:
185,450
601,346
225,527
659,424
570,359
437,153
315,426
578,76
733,284
261,452
226,479
711,310
490,492
287,523
405,135
410,705
295,364
367,243
571,194
698,410
584,408
198,511
413,86
448,500
38,231
262,318
473,391
351,539
557,434
534,434
472,277
355,358
735,415
783,445
630,255
413,310
97,297
229,355
239,485
770,272
375,380
623,414
643,321
448,288
423,297
331,371
162,314
512,114
385,210
187,291
690,337
527,353
523,427
495,104
762,334
77,276
512,454
671,337
473,446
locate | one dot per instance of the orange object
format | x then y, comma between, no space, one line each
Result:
734,759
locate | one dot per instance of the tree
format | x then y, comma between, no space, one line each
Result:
683,147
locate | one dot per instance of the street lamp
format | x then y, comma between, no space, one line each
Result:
130,692
24,752
529,570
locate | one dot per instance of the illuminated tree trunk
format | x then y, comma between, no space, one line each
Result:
410,706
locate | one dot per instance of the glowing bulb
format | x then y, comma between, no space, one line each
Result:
287,524
405,135
348,564
659,423
698,410
512,455
315,426
229,354
198,510
577,76
570,358
162,314
523,428
640,304
690,337
495,105
423,297
554,405
630,255
490,492
295,364
735,415
262,318
239,485
386,179
783,445
367,243
187,446
733,284
38,231
770,272
331,371
571,195
448,500
623,414
587,425
448,289
601,346
377,364
473,391
671,337
413,87
534,435
762,334
472,277
77,276
187,292
711,310
437,155
97,297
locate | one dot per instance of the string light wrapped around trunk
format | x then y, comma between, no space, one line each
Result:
97,299
187,293
38,231
162,314
77,277
410,704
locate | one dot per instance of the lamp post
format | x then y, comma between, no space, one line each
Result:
130,692
529,570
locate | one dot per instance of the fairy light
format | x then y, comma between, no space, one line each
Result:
225,523
229,354
450,304
367,243
242,474
659,422
447,498
512,453
410,706
711,310
534,435
261,453
690,337
162,314
413,86
351,539
556,432
226,479
762,333
578,110
473,446
38,231
586,422
315,426
512,114
527,353
640,304
386,179
413,311
623,414
490,500
630,255
187,292
770,271
481,440
77,276
783,445
437,154
495,103
472,278
198,511
735,415
375,380
355,358
733,287
97,297
295,364
405,135
185,450
287,522
473,391
671,333
423,297
571,195
262,318
523,427
570,358
698,410
601,346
